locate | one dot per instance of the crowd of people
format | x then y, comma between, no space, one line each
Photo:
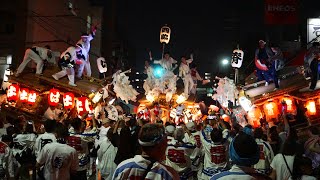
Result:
133,148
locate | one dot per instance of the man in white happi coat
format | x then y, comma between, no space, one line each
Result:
185,74
38,55
85,42
67,62
166,62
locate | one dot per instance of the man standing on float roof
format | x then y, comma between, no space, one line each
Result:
85,42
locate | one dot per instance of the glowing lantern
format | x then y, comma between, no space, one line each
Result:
53,97
181,98
311,107
68,100
13,92
254,116
24,95
83,105
150,97
165,32
226,118
237,58
271,111
32,97
98,96
291,108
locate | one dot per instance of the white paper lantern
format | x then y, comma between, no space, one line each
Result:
237,58
165,32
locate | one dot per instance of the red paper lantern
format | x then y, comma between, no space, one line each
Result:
254,116
32,97
311,107
68,100
53,97
13,92
83,105
291,108
24,95
271,111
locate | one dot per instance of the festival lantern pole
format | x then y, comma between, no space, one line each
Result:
165,32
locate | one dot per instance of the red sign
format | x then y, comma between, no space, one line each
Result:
68,100
53,97
24,93
32,97
83,105
13,92
281,12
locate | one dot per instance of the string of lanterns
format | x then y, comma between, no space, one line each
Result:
273,107
24,95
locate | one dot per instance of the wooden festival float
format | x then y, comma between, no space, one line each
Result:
31,95
293,96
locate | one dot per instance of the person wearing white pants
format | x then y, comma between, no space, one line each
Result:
185,74
85,42
38,55
67,61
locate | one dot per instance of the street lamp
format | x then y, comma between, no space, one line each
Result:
225,61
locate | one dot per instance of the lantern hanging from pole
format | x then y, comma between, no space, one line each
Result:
254,116
24,95
13,92
68,100
237,58
83,105
165,32
32,97
311,107
53,97
271,110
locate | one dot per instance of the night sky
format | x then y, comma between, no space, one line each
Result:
209,29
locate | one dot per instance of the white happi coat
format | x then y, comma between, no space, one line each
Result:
185,74
166,63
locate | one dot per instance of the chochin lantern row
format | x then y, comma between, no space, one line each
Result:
273,108
25,95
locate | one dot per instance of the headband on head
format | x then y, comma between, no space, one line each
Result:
153,142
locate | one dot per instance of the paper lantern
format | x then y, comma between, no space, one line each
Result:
311,107
13,92
83,105
271,110
68,100
32,97
291,108
254,116
165,32
237,58
53,97
98,96
24,94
